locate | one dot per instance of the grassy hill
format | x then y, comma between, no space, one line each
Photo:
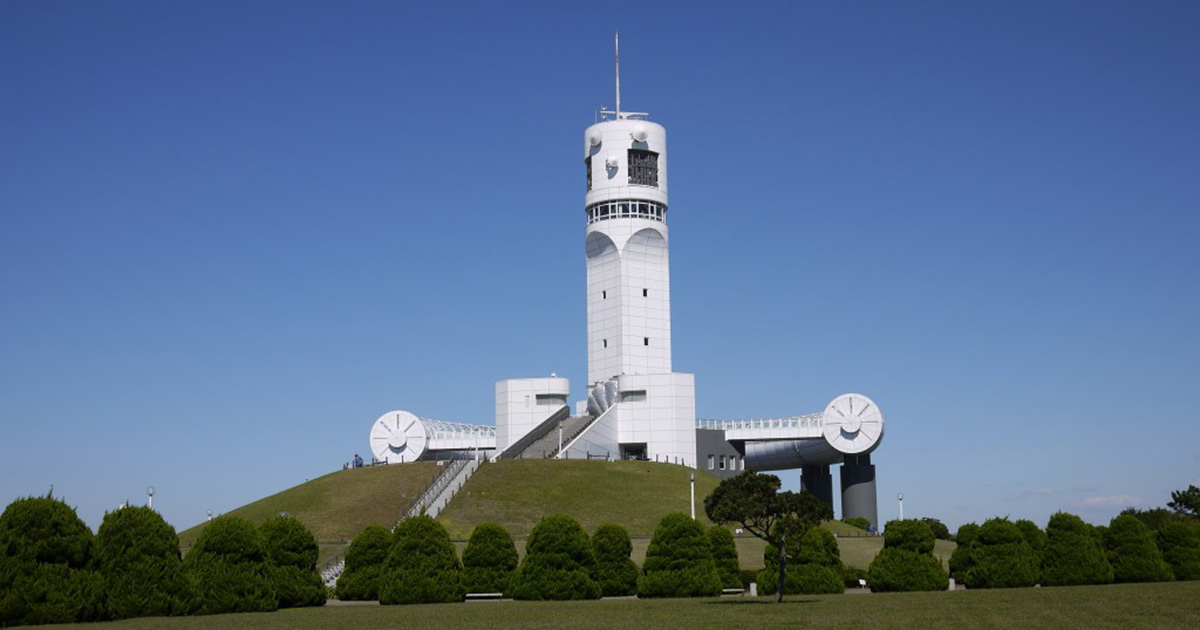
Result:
516,493
339,505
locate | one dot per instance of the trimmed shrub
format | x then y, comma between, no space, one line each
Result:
138,556
939,529
679,561
1133,554
851,577
1002,558
47,561
366,562
423,567
961,560
228,568
558,562
1073,555
906,562
819,565
489,560
615,572
725,556
291,552
909,535
1180,544
1036,539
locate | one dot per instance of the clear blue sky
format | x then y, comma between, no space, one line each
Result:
233,234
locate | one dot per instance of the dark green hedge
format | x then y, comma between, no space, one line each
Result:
489,559
291,552
140,561
1073,555
366,562
1002,557
1036,539
615,572
961,560
724,553
558,562
906,562
228,568
679,561
47,561
1133,554
901,570
1180,544
423,567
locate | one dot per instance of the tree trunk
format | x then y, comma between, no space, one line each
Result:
782,570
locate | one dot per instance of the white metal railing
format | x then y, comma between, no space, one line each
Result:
807,421
442,430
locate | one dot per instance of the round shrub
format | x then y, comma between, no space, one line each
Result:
1180,544
679,561
1036,539
819,566
291,552
43,530
366,562
558,562
138,556
906,562
489,560
939,529
725,556
1002,558
423,567
895,570
961,560
909,535
1073,555
47,560
615,571
228,568
1133,554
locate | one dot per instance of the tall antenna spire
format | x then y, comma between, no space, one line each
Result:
617,54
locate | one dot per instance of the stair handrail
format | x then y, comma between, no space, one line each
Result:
536,434
568,443
434,488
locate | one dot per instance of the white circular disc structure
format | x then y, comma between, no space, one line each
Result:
852,424
398,436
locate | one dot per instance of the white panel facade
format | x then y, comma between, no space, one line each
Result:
659,410
523,403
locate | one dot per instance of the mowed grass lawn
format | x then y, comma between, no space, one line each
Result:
1120,607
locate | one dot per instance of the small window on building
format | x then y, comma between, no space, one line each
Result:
722,464
604,295
636,395
643,167
605,341
645,341
711,462
645,292
588,161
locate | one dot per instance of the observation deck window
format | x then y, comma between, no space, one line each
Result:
643,167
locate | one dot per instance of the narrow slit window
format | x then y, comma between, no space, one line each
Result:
605,342
645,341
604,295
645,292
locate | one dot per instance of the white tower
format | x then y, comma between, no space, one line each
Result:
629,288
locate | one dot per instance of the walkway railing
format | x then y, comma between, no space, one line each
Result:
807,421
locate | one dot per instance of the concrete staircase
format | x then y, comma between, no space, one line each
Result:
546,446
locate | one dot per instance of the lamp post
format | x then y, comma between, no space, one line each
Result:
150,497
900,497
559,455
693,475
210,515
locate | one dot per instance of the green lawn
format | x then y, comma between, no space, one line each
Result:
1119,607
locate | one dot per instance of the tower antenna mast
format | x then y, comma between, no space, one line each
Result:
617,54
